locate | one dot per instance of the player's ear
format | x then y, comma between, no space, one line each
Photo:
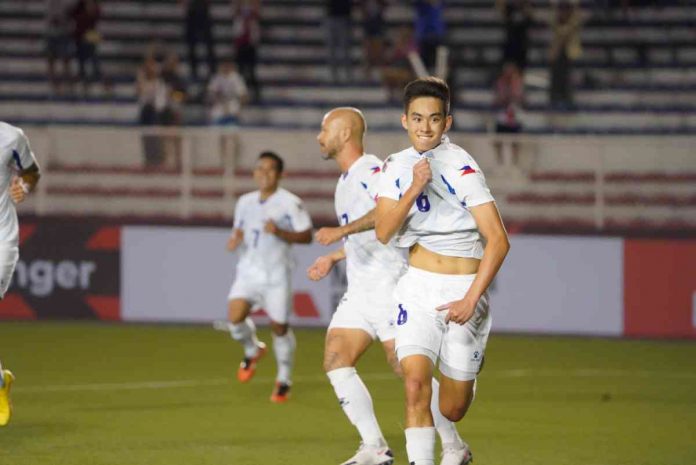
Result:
404,121
448,123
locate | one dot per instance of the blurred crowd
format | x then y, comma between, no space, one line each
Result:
390,56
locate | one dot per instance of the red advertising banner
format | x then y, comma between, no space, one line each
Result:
66,270
660,288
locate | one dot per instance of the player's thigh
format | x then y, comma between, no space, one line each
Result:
277,301
344,346
8,262
390,352
417,372
238,309
455,397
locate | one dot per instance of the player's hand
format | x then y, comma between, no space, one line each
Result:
422,174
327,236
270,227
320,268
458,311
235,240
18,189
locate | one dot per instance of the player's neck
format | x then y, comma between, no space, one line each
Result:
265,194
348,157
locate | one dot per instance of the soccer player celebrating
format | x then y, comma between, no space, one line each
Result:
19,174
433,200
367,309
266,223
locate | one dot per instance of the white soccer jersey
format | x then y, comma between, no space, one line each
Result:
439,219
15,155
263,251
368,261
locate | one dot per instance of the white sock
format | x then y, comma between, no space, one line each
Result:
245,332
445,428
357,404
284,348
420,445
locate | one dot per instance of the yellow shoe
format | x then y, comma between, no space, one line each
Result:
5,404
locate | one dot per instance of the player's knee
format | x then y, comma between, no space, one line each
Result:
418,392
453,413
334,361
279,329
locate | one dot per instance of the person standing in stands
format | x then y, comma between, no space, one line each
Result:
517,17
430,29
247,35
339,37
565,49
85,15
57,35
199,27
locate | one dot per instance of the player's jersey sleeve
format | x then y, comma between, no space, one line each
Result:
299,217
470,186
389,182
239,214
22,156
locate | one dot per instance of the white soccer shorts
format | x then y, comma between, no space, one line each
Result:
273,295
372,310
422,330
8,260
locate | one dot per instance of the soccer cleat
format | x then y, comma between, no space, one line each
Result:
281,393
454,454
5,404
247,368
371,455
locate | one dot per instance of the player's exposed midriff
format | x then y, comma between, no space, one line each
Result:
420,257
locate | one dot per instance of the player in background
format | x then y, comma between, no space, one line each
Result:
266,222
367,309
19,174
433,200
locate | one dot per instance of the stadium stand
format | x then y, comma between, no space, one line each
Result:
635,78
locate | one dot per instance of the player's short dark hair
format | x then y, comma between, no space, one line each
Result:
427,87
280,164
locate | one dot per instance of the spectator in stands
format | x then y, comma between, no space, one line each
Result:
199,27
339,37
247,35
373,34
58,43
565,49
398,71
517,17
227,93
152,99
172,114
430,29
85,15
509,99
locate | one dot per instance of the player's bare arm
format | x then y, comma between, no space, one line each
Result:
327,236
235,239
390,213
25,182
323,265
491,228
291,237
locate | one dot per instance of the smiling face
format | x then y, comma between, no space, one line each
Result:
426,122
266,175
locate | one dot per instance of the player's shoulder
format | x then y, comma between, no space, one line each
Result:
404,159
9,134
370,165
287,196
248,197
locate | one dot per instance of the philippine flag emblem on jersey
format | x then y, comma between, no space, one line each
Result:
376,169
466,169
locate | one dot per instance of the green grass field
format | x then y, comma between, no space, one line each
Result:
98,394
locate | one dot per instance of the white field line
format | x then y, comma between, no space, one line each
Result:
386,376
